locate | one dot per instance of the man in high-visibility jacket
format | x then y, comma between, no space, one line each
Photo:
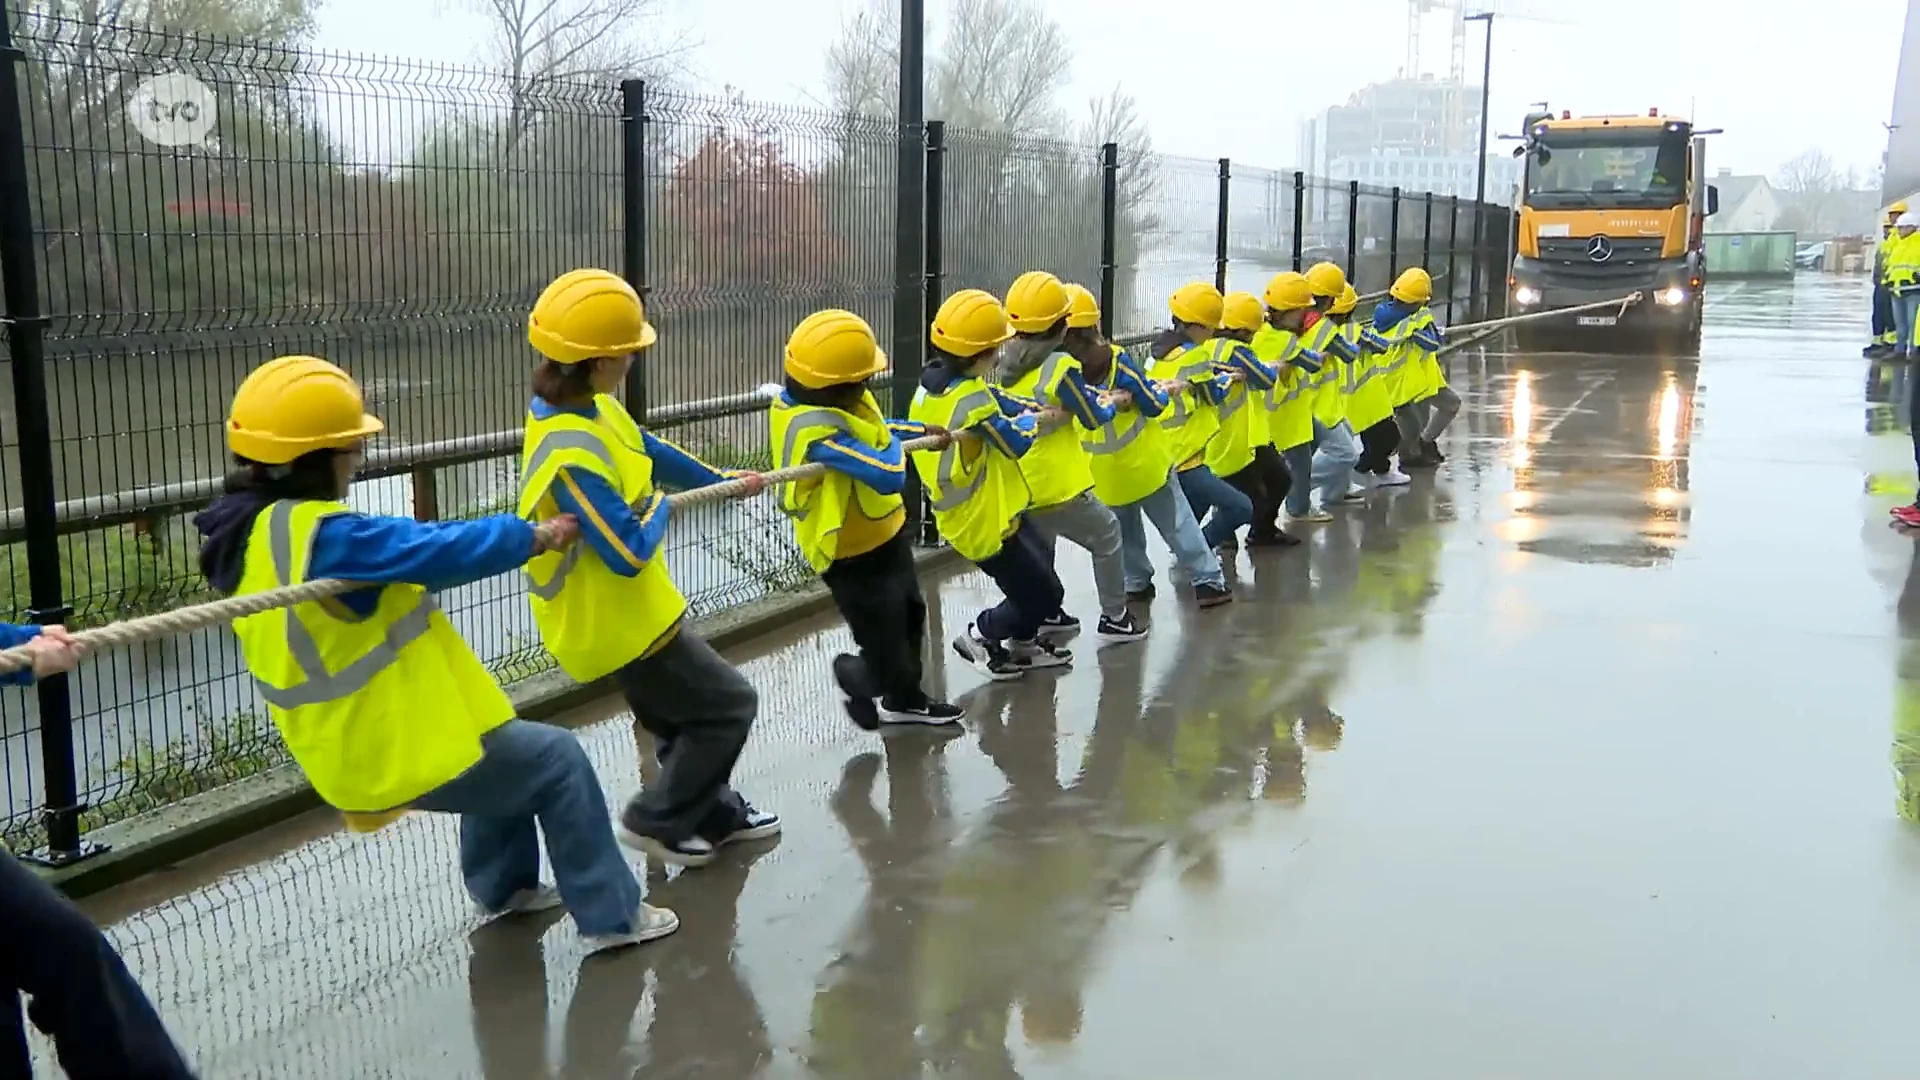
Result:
1132,459
1883,337
1903,281
979,495
378,699
611,606
851,523
1192,417
1289,299
1335,448
1403,321
1242,450
1040,374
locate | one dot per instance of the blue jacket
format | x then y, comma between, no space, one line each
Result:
11,635
1389,313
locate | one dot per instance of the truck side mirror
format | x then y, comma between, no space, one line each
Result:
1519,151
1713,199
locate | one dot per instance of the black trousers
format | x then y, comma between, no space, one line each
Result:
1023,568
1882,310
699,710
102,1025
878,593
1377,445
1266,482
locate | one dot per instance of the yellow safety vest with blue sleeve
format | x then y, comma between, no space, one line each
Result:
1130,454
1367,398
1330,382
609,599
1290,401
1192,416
1408,333
1057,467
375,693
974,482
1242,409
856,506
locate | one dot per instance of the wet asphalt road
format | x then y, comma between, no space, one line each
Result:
1572,760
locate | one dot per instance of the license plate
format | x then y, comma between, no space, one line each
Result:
1598,320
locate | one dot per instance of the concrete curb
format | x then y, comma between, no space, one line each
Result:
195,825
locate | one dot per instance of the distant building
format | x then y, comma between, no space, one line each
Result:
1423,116
1442,174
1747,204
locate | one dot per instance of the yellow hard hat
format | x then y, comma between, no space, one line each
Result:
295,405
1289,291
1198,302
1326,279
832,347
1036,301
1242,311
969,323
586,314
1899,207
1347,302
1082,309
1413,286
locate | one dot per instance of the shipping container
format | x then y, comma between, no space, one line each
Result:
1748,255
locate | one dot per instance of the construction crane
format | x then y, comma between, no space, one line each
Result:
1418,10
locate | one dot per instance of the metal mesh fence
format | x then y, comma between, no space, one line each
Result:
398,218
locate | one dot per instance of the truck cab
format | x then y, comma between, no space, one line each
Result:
1610,205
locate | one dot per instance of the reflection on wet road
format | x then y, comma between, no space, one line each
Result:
1570,761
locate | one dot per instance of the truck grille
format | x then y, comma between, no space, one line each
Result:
1630,259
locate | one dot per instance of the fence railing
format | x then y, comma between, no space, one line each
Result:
399,218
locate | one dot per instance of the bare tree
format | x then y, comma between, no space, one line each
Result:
863,64
1811,181
998,65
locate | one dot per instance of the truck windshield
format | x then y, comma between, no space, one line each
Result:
1608,169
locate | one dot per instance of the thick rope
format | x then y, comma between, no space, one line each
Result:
217,612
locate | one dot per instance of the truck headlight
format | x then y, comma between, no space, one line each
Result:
1526,296
1673,296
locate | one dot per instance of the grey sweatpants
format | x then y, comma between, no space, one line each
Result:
1428,418
1087,522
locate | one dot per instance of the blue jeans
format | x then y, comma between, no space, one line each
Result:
1906,312
1173,519
1334,457
1231,508
532,772
1300,463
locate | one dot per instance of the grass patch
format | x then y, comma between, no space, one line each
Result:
112,574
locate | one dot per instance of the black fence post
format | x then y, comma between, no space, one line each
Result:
1353,227
1299,217
1426,236
919,521
1453,243
910,219
1476,307
1220,228
1393,236
633,218
26,344
1109,232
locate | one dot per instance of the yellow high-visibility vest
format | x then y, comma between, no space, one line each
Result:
1330,383
1290,402
978,493
1130,454
591,619
819,508
1367,399
1056,467
1191,419
379,710
1903,262
1243,416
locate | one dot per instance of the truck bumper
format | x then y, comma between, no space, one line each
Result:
1668,298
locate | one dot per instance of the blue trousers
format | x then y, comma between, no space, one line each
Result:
1231,509
532,773
1172,517
1334,457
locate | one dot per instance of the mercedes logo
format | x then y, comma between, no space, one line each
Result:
1599,249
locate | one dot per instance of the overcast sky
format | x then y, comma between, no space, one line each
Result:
1778,77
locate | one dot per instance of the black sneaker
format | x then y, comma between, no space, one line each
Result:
1431,451
1141,595
753,825
927,713
1059,626
989,658
1121,630
1212,595
856,691
692,851
1272,540
1038,654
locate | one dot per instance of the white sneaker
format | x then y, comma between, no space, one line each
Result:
649,924
1395,478
1315,516
528,902
1356,492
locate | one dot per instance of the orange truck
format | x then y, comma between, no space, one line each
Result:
1611,205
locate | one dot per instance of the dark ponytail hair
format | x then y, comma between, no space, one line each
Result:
842,396
309,476
560,384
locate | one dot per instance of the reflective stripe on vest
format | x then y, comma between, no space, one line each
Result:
550,443
320,685
955,488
